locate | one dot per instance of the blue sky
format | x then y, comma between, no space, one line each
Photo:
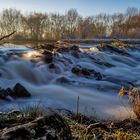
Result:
84,7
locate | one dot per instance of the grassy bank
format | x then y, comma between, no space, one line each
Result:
66,125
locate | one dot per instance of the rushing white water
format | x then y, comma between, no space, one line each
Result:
26,66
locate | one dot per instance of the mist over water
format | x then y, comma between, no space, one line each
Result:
26,66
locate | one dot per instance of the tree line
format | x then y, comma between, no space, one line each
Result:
36,26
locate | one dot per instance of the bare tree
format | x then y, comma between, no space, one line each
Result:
57,25
86,28
54,26
35,23
10,21
72,17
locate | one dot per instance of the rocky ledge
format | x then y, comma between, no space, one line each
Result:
34,125
50,127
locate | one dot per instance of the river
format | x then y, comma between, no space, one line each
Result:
19,64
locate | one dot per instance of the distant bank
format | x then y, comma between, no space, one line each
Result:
97,40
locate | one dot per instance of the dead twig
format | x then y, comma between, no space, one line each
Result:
6,36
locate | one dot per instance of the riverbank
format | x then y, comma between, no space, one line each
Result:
104,40
40,124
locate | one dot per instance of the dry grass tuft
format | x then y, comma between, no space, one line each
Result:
117,43
121,135
134,99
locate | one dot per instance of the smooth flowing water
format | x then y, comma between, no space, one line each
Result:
20,64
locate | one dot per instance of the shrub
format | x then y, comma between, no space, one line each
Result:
134,98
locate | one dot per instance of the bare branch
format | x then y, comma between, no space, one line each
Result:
6,36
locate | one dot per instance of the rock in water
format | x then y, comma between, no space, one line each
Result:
49,47
74,48
111,48
4,95
63,79
48,57
20,91
86,72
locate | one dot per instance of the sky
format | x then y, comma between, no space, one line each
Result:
84,7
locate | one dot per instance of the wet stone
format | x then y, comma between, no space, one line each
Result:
48,57
86,72
48,47
4,95
63,79
20,91
51,66
74,48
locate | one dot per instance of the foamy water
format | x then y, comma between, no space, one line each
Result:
99,97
